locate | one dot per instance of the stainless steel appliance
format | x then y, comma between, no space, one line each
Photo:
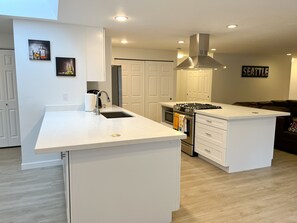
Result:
198,54
188,110
116,83
168,117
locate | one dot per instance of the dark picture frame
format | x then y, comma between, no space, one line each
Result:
39,49
65,66
255,71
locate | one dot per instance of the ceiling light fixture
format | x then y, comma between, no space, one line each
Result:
124,41
181,42
289,54
180,55
121,18
213,49
232,26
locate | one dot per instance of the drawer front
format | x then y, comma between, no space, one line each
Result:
214,122
210,134
213,153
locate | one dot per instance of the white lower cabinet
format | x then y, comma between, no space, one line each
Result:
235,144
210,138
212,152
128,183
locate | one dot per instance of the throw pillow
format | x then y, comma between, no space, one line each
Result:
293,127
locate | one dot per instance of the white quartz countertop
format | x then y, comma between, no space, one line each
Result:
232,112
77,130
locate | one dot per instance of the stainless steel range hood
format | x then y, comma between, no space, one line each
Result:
198,58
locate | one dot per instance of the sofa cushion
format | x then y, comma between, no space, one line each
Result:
265,103
293,107
293,127
280,103
247,104
292,102
276,108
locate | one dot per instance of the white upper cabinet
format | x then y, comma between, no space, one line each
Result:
95,54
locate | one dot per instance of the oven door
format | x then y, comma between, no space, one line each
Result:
190,128
168,117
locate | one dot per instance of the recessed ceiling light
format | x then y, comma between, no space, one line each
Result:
213,49
181,42
289,54
232,26
124,41
225,67
121,18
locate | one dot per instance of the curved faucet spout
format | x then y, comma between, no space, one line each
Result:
98,101
100,92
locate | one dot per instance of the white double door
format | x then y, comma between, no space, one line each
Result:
9,115
194,85
145,84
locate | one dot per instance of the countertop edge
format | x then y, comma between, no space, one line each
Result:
257,116
232,117
106,144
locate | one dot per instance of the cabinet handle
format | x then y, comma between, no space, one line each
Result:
208,134
6,104
207,150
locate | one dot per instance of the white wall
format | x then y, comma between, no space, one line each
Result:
228,86
38,84
143,54
6,41
293,80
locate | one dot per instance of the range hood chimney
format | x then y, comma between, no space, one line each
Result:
199,46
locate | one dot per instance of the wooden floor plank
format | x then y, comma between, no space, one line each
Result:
208,194
29,196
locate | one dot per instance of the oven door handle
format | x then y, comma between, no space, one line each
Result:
189,117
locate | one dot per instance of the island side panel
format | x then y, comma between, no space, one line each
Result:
250,143
135,183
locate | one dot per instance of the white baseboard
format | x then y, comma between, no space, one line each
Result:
48,163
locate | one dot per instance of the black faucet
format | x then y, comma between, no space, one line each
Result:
99,102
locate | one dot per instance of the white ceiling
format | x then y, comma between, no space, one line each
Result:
265,26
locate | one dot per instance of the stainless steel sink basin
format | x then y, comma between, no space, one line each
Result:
115,114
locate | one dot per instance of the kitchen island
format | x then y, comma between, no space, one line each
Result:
116,169
234,138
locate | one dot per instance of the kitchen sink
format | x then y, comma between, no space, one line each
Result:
115,114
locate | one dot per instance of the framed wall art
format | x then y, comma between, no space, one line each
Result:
39,50
254,71
65,66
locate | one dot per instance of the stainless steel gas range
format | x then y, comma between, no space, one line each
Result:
187,111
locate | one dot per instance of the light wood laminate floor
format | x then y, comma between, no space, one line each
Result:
208,194
30,196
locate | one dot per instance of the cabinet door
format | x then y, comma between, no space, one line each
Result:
210,151
95,54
